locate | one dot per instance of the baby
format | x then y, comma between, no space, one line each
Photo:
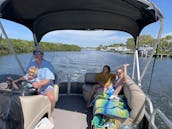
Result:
30,77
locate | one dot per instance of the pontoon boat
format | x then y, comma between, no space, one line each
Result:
43,16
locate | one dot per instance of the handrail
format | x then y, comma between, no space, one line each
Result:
152,121
164,118
69,83
150,104
150,118
153,112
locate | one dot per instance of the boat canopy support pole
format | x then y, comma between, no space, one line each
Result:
136,62
134,65
154,49
36,46
68,83
12,48
36,42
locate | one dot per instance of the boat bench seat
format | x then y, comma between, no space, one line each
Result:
133,93
90,80
34,108
33,115
136,101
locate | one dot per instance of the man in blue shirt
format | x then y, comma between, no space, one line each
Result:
45,75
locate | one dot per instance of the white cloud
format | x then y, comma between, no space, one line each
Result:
86,38
169,33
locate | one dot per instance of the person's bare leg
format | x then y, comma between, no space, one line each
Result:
119,86
50,95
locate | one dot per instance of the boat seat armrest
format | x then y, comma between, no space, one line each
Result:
56,92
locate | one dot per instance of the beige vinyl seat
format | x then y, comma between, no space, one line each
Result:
56,88
136,101
36,107
90,80
56,92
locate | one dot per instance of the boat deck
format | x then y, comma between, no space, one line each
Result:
71,113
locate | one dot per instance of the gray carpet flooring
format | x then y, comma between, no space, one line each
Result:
71,113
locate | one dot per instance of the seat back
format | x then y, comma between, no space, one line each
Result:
56,92
31,114
136,101
90,78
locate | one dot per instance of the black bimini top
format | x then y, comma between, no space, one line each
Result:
42,16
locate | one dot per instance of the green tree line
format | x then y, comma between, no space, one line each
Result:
24,46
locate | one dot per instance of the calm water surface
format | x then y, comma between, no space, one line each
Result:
76,64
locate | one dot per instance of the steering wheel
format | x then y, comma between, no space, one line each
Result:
24,84
25,88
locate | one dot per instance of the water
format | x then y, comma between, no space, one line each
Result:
76,64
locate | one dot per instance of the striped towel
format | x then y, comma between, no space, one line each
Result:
110,108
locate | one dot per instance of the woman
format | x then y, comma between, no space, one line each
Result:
118,81
101,78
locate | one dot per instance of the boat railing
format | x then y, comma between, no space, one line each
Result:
163,117
68,83
152,113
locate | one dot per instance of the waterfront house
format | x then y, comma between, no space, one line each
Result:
145,50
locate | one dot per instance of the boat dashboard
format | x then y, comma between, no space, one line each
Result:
22,88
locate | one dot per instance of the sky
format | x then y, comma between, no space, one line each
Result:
93,38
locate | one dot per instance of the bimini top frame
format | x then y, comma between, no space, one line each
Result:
42,16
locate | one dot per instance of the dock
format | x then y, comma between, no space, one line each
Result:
163,55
